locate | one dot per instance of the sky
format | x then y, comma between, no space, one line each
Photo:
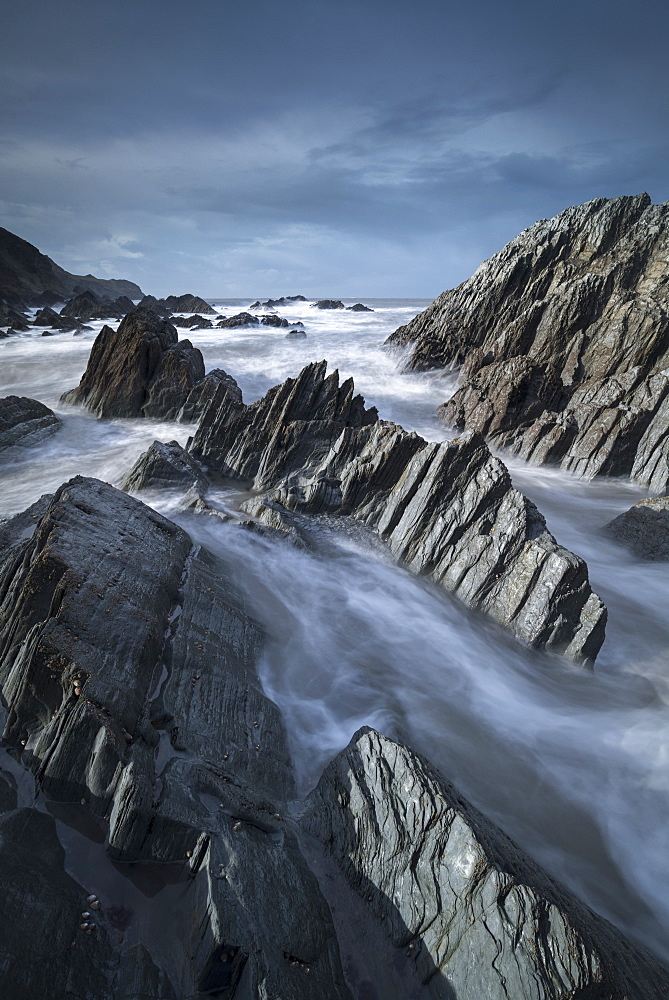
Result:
370,148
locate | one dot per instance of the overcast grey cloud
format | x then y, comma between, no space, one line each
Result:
341,148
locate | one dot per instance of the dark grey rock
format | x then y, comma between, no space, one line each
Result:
328,304
163,466
24,422
582,298
128,667
188,303
87,306
360,308
143,370
296,335
157,306
239,320
474,915
273,303
278,321
192,322
13,317
448,511
644,529
47,317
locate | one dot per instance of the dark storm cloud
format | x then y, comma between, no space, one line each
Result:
350,147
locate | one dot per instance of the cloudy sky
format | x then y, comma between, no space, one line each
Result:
329,147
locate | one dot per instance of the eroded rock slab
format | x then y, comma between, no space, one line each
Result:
474,915
448,511
24,422
644,529
128,667
163,466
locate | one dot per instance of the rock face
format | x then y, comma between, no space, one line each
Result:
24,422
26,275
163,466
127,664
644,529
143,370
448,510
571,320
474,916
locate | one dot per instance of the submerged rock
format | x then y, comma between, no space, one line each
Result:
644,529
24,422
239,320
296,335
328,304
448,510
582,300
474,915
276,321
128,667
359,308
143,370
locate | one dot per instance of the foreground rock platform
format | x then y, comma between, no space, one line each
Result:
448,511
473,914
562,340
127,666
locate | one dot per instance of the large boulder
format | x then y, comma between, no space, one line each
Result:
237,321
24,422
143,370
644,529
461,906
188,303
448,510
128,668
582,298
328,304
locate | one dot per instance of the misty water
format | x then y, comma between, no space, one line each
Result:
573,764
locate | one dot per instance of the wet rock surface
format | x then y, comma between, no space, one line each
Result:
328,304
583,299
644,529
128,668
448,510
163,466
237,321
24,422
192,322
144,370
473,914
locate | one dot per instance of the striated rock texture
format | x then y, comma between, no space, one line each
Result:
564,339
163,466
24,422
127,665
644,529
448,511
144,370
476,916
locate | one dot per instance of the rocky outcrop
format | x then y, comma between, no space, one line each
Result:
163,466
48,317
238,320
448,511
11,317
328,304
24,422
192,322
285,300
463,907
296,335
188,303
278,321
582,301
127,664
359,308
143,370
26,275
87,306
644,529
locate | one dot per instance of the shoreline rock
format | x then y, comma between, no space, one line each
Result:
644,529
24,422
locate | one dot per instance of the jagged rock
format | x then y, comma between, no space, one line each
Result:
12,317
192,322
87,306
474,915
239,320
155,305
644,529
143,370
328,304
24,422
583,298
359,308
188,303
273,303
448,510
127,664
47,317
163,466
214,387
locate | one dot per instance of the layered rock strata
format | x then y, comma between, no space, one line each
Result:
24,422
448,511
468,911
564,341
144,370
127,665
644,529
164,466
